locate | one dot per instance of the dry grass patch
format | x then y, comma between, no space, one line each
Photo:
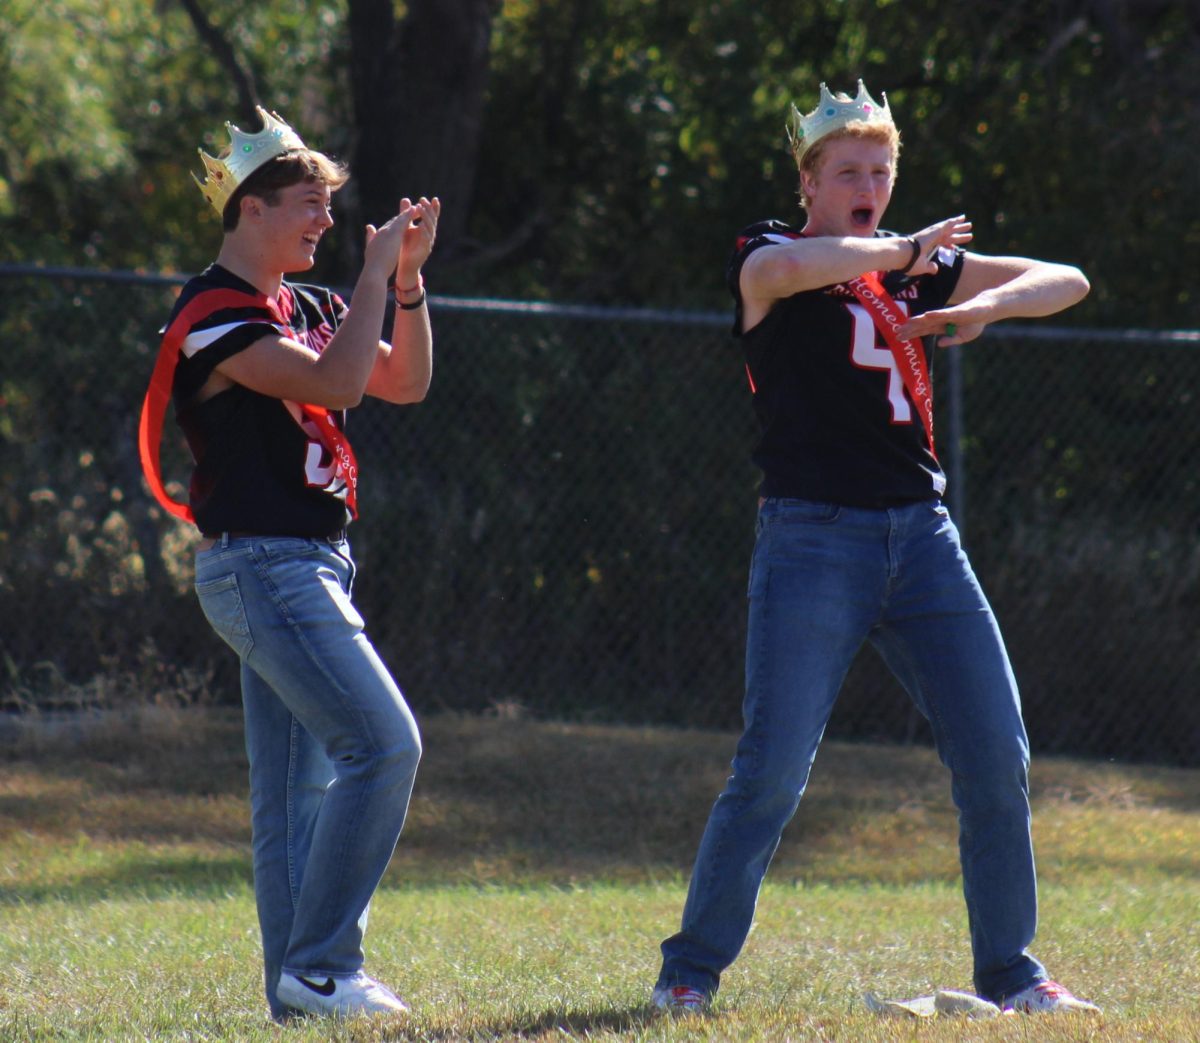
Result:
502,800
542,865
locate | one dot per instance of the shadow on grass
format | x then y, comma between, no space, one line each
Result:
192,876
509,802
574,1024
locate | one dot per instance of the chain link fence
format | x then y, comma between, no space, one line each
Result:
564,526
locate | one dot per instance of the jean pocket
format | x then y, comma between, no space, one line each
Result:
811,511
221,602
288,548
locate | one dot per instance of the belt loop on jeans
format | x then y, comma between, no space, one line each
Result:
225,537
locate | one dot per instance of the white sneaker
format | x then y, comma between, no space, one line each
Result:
1047,997
343,997
680,999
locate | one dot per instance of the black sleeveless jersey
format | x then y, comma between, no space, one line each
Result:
837,424
257,468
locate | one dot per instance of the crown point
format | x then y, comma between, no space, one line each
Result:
244,154
833,112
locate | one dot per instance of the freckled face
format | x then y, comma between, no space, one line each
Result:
850,188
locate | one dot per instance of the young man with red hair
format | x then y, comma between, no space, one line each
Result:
854,543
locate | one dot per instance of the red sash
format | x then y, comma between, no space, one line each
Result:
154,406
910,359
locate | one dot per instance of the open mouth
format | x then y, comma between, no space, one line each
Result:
861,216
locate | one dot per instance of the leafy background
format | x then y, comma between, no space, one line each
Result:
564,525
606,151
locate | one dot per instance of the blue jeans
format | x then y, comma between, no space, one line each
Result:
333,747
824,578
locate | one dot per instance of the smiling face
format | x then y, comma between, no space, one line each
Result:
290,227
277,216
849,185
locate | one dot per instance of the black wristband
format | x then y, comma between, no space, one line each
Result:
412,305
916,252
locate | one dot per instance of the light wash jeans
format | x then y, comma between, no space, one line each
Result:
333,748
824,578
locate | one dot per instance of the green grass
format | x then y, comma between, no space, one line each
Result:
540,869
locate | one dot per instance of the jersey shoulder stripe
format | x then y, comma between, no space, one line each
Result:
218,308
202,337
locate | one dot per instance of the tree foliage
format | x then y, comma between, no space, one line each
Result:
607,151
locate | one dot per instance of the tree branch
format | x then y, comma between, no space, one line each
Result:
470,253
227,58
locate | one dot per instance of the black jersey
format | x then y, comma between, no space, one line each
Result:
259,466
837,424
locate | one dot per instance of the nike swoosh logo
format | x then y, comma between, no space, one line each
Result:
321,990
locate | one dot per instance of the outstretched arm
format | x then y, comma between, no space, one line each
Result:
404,368
772,273
994,288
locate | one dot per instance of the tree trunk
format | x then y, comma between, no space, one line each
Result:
418,89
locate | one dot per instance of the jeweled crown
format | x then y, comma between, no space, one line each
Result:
244,155
833,112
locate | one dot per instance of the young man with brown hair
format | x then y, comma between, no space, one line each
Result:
262,371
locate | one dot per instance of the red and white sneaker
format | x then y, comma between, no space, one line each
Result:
680,999
1047,997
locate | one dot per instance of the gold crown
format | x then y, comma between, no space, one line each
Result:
244,155
833,112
